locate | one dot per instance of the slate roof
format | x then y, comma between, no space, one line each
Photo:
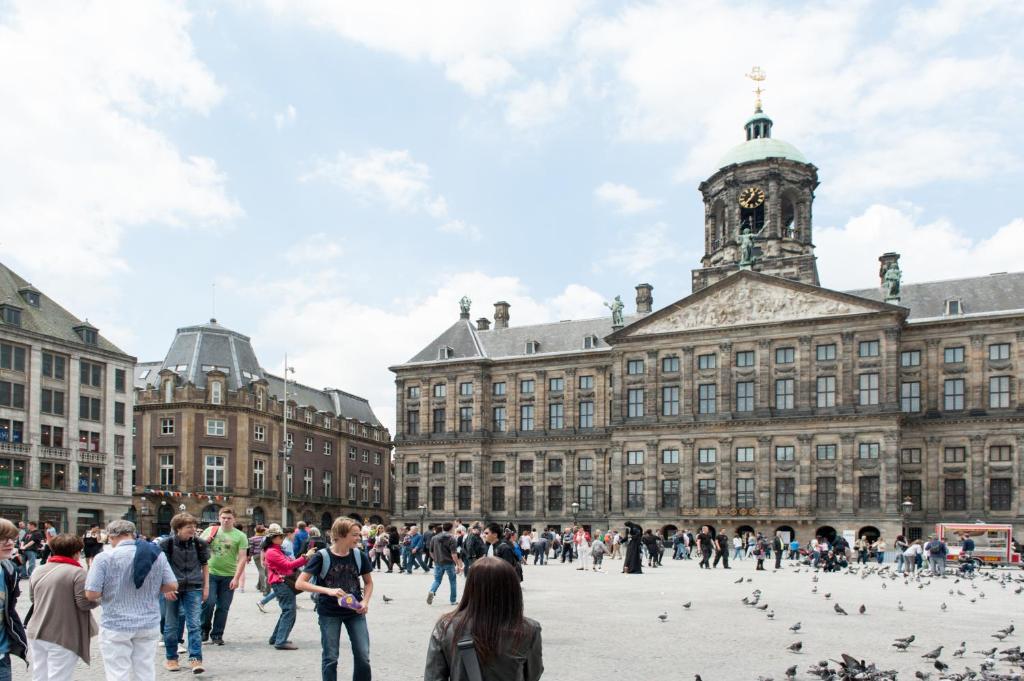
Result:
331,400
146,374
978,295
49,319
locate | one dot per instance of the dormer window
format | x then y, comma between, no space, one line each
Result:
590,342
87,332
11,314
327,422
259,400
445,352
216,394
532,347
954,307
31,296
308,415
168,391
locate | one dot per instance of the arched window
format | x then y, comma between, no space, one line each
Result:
718,229
259,516
211,514
788,225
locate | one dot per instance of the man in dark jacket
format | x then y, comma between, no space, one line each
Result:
501,548
777,549
722,550
704,543
188,556
13,631
472,547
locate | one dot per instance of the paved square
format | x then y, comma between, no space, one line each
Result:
596,623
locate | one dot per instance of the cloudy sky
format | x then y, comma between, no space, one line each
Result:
337,175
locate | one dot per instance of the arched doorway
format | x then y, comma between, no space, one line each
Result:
376,520
259,516
788,533
870,532
826,532
163,520
711,529
356,517
744,530
325,522
211,515
668,531
308,517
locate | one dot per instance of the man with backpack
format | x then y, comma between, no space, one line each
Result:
472,547
936,551
446,562
333,575
188,556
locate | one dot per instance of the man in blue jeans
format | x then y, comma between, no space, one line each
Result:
341,579
228,556
416,551
446,562
188,556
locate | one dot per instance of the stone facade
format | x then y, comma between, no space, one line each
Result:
760,401
210,438
65,400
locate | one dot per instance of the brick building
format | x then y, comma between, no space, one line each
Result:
760,401
210,425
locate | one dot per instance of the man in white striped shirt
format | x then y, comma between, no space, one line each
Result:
131,614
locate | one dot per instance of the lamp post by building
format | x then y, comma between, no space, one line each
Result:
575,512
907,506
286,450
423,515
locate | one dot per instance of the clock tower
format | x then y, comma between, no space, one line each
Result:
757,208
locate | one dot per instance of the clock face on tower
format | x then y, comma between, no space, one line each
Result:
751,197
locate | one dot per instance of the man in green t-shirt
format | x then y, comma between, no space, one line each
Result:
227,563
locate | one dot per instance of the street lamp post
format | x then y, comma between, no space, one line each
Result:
285,448
907,506
423,515
575,512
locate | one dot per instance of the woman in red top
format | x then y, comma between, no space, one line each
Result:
280,566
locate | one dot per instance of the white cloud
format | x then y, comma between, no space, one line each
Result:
286,118
81,161
314,316
476,44
638,252
537,103
460,228
848,255
315,248
624,199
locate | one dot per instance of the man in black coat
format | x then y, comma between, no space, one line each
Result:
501,547
633,564
777,549
704,543
473,547
722,550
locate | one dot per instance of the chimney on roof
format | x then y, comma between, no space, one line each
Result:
501,314
644,298
483,324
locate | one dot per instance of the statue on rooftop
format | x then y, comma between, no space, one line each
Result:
616,307
464,304
891,281
746,248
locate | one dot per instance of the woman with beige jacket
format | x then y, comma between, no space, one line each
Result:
60,625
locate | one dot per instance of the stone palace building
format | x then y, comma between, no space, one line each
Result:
210,424
760,401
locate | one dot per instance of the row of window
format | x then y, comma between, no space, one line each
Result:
218,428
53,476
527,386
953,391
585,463
825,495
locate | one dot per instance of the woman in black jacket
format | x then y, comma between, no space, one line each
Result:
486,637
16,640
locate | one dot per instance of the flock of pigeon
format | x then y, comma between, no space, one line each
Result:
1001,662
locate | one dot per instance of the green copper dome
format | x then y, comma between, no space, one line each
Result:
759,149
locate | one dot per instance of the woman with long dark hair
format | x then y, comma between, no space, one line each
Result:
486,637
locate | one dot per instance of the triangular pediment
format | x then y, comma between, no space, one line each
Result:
750,298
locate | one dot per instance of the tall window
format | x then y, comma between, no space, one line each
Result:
526,386
867,349
910,455
586,414
953,394
526,465
785,355
785,391
954,355
259,474
412,467
910,397
867,389
586,382
999,351
999,494
745,358
912,489
635,367
53,403
215,470
670,365
586,463
634,457
744,454
466,419
785,492
465,501
706,455
785,453
89,408
556,416
634,494
437,498
825,452
745,396
441,390
329,448
555,498
707,396
413,392
376,491
670,401
412,422
709,361
707,493
635,402
744,492
52,365
585,497
215,427
670,494
954,454
167,469
12,473
554,465
215,392
465,466
826,391
868,450
497,498
670,456
308,443
999,453
825,493
999,392
910,358
437,467
90,479
868,494
327,482
90,373
51,476
465,389
526,497
499,420
954,496
497,467
353,482
439,419
825,353
526,417
498,389
556,385
412,497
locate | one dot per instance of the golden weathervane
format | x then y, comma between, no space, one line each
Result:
758,76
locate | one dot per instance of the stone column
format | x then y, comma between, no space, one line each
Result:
805,392
727,490
652,386
687,399
847,482
451,408
569,400
686,467
773,209
452,482
616,480
540,474
763,378
651,477
512,488
976,374
889,380
888,474
846,393
725,401
803,481
477,502
540,411
932,376
976,482
930,491
764,472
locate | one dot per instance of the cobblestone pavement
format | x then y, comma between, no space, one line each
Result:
595,622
